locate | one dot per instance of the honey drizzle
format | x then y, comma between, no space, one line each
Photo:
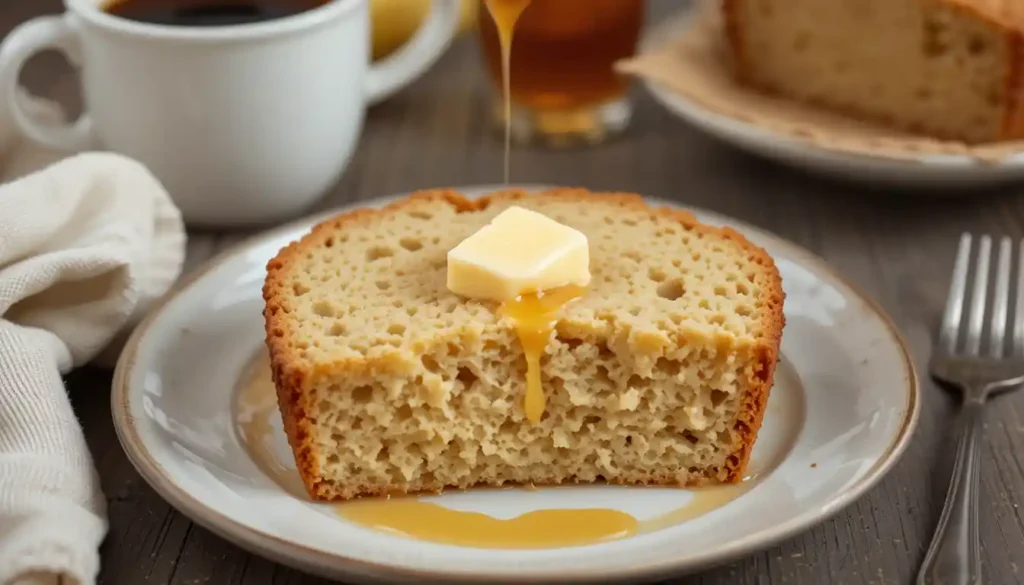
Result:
535,316
506,14
256,407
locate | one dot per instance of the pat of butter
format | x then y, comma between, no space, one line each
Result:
520,251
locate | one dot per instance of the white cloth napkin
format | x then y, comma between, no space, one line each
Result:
86,244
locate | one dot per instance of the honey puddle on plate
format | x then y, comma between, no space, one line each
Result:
506,14
553,528
256,410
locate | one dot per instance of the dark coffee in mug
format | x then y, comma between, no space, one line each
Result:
207,12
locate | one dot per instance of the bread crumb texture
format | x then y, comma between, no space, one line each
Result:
952,69
389,383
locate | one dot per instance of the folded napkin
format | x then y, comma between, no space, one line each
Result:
86,244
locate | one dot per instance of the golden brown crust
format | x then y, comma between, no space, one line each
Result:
666,480
732,19
1008,16
291,379
1013,124
292,376
1005,14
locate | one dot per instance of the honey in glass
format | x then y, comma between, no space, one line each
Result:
563,85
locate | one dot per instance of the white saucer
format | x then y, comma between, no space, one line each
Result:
841,413
950,173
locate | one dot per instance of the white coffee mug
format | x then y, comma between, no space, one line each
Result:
244,124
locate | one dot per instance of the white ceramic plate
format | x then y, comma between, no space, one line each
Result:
842,411
938,172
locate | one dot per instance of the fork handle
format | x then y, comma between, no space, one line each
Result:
954,557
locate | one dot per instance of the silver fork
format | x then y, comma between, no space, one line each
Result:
978,370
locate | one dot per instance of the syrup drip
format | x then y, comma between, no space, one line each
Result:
535,316
506,14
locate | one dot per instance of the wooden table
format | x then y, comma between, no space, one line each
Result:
437,134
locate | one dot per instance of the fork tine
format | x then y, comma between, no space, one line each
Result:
955,301
1000,300
976,318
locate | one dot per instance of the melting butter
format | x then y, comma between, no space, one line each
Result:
545,255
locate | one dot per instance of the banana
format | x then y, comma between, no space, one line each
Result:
395,21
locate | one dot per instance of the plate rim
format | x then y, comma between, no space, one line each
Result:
336,565
690,111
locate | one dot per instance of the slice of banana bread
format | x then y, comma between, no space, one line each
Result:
952,69
389,383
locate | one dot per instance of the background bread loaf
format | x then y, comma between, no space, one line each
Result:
951,69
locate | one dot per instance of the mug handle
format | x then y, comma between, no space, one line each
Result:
417,55
27,39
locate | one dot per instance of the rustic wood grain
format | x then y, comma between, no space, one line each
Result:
899,248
